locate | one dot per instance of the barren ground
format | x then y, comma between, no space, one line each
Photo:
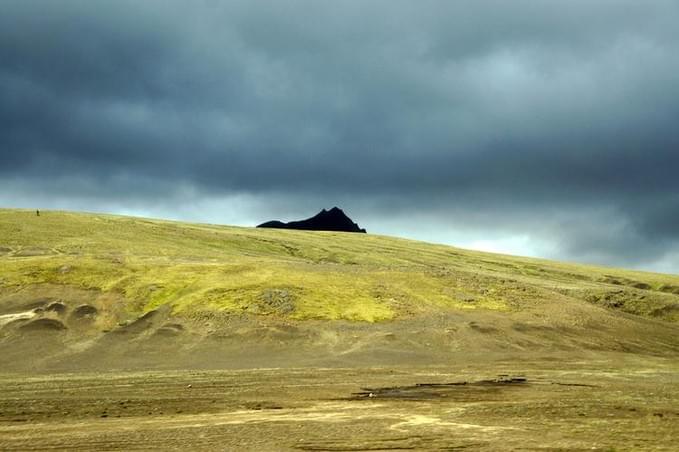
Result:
611,402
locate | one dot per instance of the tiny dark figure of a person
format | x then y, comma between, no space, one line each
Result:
37,213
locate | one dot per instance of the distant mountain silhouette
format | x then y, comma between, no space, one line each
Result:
326,220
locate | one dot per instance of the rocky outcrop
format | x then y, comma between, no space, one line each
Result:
326,220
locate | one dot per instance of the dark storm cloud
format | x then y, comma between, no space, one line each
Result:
552,119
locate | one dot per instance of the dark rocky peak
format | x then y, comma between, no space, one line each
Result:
326,220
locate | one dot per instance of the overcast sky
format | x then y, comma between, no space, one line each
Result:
544,128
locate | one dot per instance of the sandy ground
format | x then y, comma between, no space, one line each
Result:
613,402
8,318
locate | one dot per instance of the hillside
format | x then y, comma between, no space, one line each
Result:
91,291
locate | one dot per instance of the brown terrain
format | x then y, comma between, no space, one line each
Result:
458,350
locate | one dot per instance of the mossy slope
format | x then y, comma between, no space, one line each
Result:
198,268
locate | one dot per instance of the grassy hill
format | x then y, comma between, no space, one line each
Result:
93,276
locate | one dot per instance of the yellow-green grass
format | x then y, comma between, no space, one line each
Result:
296,274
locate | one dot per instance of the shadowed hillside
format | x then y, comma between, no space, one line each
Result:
90,291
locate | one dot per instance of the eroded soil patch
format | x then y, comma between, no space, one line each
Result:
428,391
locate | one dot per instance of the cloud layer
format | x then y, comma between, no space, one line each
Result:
549,125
